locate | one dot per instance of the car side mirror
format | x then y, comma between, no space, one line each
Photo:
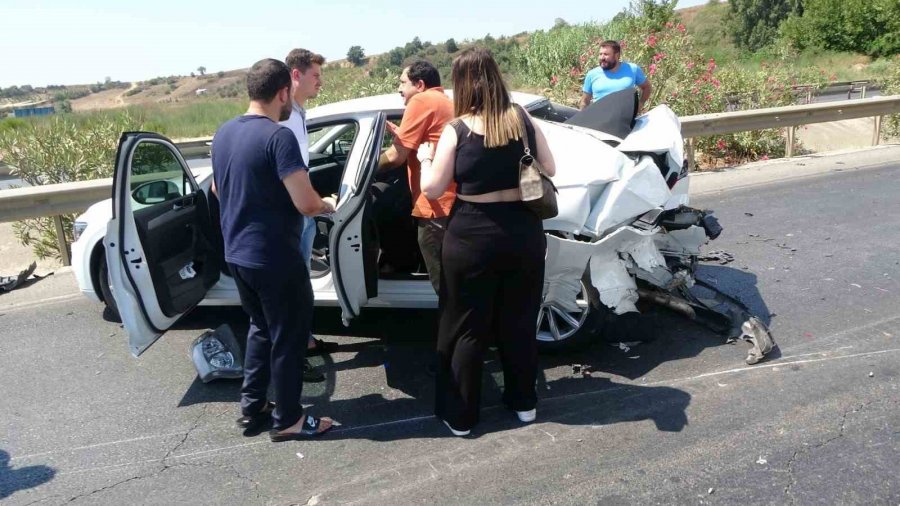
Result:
155,192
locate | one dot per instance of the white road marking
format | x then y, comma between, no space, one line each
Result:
38,303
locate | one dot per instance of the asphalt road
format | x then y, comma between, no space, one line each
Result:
678,420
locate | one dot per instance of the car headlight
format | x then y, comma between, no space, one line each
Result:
78,229
217,354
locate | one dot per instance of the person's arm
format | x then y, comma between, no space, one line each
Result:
437,173
408,136
393,156
213,189
544,155
586,100
586,92
645,93
294,174
305,198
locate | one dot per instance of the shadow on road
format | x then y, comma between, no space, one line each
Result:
400,345
14,480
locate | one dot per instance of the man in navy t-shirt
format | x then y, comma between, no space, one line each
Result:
613,75
264,189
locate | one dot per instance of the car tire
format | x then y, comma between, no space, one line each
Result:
567,335
111,311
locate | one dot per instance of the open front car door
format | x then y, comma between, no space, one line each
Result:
354,237
159,244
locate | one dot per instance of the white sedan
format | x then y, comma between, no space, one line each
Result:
154,251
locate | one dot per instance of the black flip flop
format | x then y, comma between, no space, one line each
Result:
252,423
310,430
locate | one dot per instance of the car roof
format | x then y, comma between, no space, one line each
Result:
394,102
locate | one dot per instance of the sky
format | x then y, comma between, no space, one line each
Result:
44,42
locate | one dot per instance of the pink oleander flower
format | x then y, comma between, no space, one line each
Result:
651,41
658,56
716,83
690,65
764,157
652,69
669,24
681,28
720,145
554,80
574,72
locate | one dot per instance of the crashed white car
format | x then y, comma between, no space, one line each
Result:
154,251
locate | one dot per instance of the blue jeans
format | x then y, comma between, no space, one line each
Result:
306,245
306,239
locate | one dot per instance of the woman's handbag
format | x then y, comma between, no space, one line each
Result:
538,191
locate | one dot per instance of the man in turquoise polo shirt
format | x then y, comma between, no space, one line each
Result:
613,75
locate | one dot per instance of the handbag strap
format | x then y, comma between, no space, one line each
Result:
521,114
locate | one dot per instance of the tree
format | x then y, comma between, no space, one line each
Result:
395,57
861,26
356,55
451,46
201,69
754,23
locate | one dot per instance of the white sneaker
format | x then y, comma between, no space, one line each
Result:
527,416
457,432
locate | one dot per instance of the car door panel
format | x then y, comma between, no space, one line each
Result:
175,245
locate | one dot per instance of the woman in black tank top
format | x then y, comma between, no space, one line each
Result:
492,271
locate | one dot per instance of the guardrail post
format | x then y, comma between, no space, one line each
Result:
789,144
876,136
862,93
690,154
61,240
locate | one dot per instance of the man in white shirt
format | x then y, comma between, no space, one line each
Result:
306,80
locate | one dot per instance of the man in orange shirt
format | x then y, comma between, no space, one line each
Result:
428,110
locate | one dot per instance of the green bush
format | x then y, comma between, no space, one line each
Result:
683,78
891,86
60,150
553,55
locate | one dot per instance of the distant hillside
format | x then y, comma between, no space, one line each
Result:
163,90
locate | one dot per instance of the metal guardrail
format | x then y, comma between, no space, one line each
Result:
705,125
67,198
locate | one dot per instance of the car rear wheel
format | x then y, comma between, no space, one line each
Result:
560,329
111,311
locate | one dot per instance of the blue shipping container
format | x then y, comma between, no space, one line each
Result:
34,111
